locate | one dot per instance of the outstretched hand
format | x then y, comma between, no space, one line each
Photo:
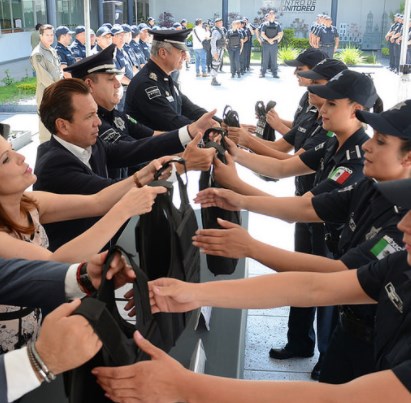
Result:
197,159
223,198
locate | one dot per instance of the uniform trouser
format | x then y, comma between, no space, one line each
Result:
397,54
201,58
328,50
392,56
215,64
270,58
248,55
243,59
234,55
309,238
347,358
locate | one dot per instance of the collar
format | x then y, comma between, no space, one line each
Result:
83,154
352,145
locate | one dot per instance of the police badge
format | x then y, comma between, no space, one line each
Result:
119,123
153,76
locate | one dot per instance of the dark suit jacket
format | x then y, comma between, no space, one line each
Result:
32,284
59,171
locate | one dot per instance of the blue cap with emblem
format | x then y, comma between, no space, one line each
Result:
117,29
63,30
394,122
103,31
348,84
177,25
172,36
101,62
134,30
126,27
142,26
80,29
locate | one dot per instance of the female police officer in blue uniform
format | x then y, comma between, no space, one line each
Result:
370,233
386,282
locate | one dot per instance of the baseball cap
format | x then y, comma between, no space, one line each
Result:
150,19
218,19
126,27
324,70
79,29
63,30
101,62
176,25
103,31
135,30
310,57
108,25
117,29
348,84
394,122
183,21
397,192
142,26
175,38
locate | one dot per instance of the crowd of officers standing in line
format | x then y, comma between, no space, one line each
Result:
394,38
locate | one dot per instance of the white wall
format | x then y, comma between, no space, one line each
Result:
15,46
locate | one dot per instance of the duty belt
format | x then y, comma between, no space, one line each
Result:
355,326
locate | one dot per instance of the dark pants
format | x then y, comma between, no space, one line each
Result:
347,358
270,58
397,54
243,59
248,54
309,238
234,54
392,56
328,50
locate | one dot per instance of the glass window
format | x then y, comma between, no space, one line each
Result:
21,15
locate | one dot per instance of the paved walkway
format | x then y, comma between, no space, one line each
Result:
266,328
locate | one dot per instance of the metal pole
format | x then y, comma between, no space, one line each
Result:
224,14
87,25
404,42
334,11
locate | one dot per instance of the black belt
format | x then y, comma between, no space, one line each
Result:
355,326
20,313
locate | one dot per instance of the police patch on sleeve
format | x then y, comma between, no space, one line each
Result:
340,175
153,92
384,247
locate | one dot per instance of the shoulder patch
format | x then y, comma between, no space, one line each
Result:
319,147
132,120
340,175
384,247
153,92
153,76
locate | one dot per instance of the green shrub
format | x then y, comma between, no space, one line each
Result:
371,59
256,44
28,88
287,38
350,56
287,53
385,52
300,43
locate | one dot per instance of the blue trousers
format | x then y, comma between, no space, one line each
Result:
200,58
234,54
270,58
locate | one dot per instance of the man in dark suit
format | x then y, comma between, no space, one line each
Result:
76,160
65,341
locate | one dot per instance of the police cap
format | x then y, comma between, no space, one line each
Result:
126,27
310,57
103,31
101,62
397,192
108,25
134,30
150,19
325,70
175,38
348,84
218,19
117,29
80,29
177,25
63,30
142,26
183,21
394,122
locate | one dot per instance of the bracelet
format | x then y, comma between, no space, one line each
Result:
39,364
83,279
136,180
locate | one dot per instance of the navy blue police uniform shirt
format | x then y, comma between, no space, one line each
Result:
141,59
271,29
308,134
145,49
370,229
78,49
154,100
327,35
131,54
303,107
65,56
388,281
122,61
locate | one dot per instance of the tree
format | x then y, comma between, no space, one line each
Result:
166,19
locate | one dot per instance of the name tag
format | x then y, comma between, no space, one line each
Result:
170,98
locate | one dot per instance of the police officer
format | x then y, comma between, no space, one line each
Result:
151,22
313,29
144,40
127,47
271,34
235,45
46,63
248,43
153,98
134,43
328,38
104,39
396,44
63,35
388,37
122,61
78,47
218,42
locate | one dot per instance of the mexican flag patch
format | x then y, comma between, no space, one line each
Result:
340,175
384,247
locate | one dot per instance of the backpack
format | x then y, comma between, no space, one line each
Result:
218,264
164,243
115,332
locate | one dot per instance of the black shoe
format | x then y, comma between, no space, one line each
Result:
232,76
238,75
315,373
276,76
215,82
284,354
